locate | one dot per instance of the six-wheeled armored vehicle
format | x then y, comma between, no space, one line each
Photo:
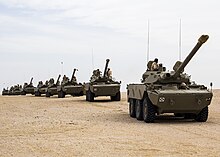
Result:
169,92
5,91
70,87
102,85
41,88
15,90
52,87
28,88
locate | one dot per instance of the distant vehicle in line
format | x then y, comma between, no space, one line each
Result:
102,85
71,87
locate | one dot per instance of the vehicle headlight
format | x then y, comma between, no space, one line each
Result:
161,99
208,99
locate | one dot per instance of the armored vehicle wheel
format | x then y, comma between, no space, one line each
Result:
87,95
118,96
90,96
112,98
37,93
47,94
148,111
61,94
139,109
81,93
203,115
132,108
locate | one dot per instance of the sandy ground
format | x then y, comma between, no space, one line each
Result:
39,126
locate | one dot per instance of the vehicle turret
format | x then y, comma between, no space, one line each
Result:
201,41
176,76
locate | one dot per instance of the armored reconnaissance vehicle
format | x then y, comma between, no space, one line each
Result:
41,88
28,88
5,91
102,85
169,92
15,90
52,87
70,86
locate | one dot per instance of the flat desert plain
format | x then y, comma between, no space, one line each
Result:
39,126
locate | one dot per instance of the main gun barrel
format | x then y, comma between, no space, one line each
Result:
201,41
31,80
58,79
74,71
106,66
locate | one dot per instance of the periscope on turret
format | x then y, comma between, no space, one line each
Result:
169,92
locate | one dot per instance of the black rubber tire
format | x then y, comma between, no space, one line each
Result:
118,96
90,96
37,93
112,98
61,94
148,111
139,109
81,93
47,94
132,111
87,95
203,115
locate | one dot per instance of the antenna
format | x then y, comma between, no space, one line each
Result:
92,60
62,68
211,84
180,40
148,40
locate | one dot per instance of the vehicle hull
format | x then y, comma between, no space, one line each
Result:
173,100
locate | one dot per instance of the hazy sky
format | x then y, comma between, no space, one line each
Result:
37,35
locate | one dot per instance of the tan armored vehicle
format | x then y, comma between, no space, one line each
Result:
70,87
15,90
28,88
169,92
52,87
41,88
102,85
5,91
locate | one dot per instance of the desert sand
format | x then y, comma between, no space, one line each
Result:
39,126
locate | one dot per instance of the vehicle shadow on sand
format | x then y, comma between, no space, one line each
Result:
163,119
98,101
